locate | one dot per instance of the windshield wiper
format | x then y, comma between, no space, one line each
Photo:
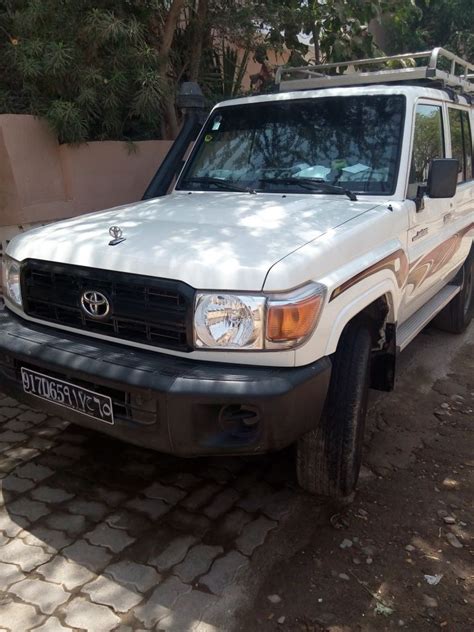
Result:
313,184
223,184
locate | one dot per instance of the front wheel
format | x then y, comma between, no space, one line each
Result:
329,457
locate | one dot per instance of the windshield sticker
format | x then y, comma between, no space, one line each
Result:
358,168
208,138
318,171
216,124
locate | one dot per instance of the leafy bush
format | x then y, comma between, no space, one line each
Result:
109,69
93,73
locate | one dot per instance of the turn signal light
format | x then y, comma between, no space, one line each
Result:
293,320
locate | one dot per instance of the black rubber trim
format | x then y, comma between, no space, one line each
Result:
189,394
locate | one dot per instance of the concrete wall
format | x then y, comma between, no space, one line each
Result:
41,180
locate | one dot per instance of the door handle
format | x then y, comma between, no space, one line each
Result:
447,217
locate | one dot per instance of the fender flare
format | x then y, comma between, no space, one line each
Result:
386,288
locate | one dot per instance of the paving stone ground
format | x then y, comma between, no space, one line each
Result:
98,535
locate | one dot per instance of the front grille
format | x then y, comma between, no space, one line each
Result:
144,309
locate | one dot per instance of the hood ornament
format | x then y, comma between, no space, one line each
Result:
116,232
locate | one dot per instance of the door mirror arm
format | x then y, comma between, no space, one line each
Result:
420,197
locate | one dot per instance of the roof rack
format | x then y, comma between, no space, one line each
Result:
439,65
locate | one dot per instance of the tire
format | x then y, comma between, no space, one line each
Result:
457,315
328,458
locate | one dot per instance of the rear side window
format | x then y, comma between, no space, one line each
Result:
428,143
461,142
467,136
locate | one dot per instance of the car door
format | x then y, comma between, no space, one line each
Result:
460,127
429,246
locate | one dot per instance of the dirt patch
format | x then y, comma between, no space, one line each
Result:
400,557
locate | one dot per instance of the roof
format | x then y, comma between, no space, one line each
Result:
409,91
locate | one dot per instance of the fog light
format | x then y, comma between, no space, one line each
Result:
144,409
239,420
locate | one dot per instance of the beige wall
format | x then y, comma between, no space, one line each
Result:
104,174
41,180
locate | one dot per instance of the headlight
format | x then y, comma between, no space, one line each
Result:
229,321
253,322
11,280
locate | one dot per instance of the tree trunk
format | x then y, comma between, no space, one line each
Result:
170,128
169,112
170,27
198,31
315,9
317,48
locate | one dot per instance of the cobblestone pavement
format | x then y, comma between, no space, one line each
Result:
99,535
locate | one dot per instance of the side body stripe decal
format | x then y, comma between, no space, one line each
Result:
416,273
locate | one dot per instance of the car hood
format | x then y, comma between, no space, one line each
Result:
209,240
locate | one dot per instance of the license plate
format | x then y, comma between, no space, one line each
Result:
68,395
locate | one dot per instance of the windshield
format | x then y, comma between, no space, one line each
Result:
351,141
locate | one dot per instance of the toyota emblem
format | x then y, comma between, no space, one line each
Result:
95,305
116,232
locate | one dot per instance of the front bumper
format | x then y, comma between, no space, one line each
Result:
168,403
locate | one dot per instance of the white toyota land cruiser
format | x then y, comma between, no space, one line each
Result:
310,236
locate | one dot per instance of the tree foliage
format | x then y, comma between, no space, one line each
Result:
337,29
101,69
424,24
90,68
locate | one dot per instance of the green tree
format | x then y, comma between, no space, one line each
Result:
426,24
98,69
101,69
337,29
91,72
449,23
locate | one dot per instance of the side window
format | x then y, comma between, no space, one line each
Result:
461,142
428,143
457,145
467,140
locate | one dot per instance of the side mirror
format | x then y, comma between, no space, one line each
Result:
442,178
